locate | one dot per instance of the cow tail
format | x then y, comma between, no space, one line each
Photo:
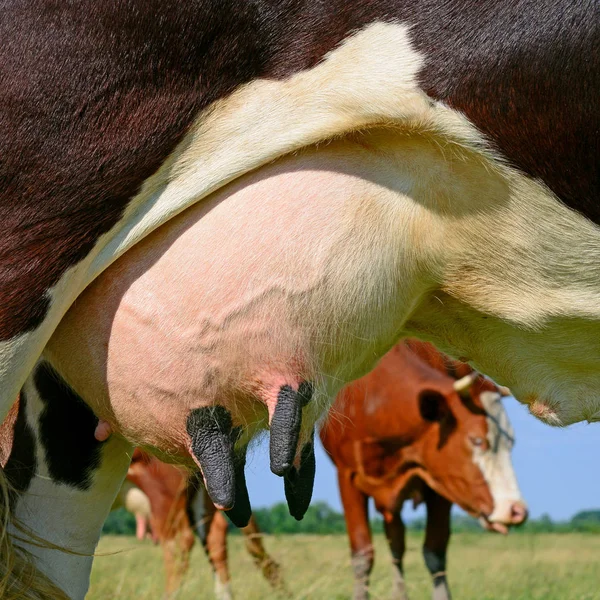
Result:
19,577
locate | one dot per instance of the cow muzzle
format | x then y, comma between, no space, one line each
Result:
515,514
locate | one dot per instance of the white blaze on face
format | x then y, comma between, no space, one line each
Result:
495,462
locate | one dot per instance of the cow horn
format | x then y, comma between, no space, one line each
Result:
285,426
464,383
504,391
212,443
299,482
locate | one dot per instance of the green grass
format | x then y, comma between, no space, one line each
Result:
481,567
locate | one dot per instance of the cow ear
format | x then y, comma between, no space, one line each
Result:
432,405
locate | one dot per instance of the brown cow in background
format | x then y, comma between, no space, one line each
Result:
424,427
161,496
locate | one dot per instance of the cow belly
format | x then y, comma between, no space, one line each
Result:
268,283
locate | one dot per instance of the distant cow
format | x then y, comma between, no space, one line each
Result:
133,500
356,172
175,506
410,429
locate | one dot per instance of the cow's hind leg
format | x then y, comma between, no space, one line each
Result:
269,567
211,528
395,532
356,513
176,553
65,482
217,552
437,537
177,541
19,576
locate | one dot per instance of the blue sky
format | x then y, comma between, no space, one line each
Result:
558,469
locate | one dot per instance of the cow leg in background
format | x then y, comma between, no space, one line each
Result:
269,567
437,536
395,532
176,545
66,480
356,513
216,547
211,528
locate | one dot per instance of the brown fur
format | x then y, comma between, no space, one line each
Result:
97,95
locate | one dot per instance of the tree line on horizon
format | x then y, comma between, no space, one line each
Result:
323,519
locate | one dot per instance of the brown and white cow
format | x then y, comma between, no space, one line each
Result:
411,429
457,200
172,509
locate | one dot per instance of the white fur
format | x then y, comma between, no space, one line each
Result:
66,516
375,236
495,462
222,589
390,259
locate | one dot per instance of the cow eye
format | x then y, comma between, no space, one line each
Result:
477,441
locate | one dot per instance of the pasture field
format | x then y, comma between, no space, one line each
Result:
522,566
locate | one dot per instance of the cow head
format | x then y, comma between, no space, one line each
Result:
466,451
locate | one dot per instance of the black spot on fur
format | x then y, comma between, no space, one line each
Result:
21,465
286,424
66,428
